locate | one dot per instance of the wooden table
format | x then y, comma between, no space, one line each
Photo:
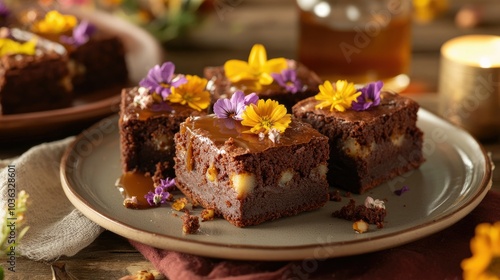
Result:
111,256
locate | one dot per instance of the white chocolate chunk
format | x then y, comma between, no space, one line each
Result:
354,149
243,184
397,139
319,171
286,177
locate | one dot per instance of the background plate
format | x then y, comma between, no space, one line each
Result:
450,184
142,53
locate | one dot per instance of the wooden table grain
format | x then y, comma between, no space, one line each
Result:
110,256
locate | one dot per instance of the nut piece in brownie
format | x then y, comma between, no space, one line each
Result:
373,134
284,80
97,59
150,116
252,169
34,74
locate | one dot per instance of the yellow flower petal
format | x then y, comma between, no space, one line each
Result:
237,70
485,260
193,93
339,97
8,46
257,69
264,116
258,56
55,23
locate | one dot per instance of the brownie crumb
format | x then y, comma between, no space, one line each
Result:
335,196
190,223
207,215
351,212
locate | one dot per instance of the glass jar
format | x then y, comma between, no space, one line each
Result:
357,40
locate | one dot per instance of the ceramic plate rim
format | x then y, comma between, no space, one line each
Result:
281,253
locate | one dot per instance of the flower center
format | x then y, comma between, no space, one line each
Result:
266,122
165,85
494,266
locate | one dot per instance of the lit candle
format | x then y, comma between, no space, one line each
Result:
469,84
474,50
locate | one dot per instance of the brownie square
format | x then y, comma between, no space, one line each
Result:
370,147
221,87
246,180
99,63
36,82
146,136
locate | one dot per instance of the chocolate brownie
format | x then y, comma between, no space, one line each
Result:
221,87
99,63
146,136
34,82
370,147
97,59
246,180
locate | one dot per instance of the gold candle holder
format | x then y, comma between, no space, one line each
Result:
469,78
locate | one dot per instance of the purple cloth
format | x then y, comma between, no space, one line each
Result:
435,257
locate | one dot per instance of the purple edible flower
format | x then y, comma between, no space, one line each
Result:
81,34
167,184
4,10
161,80
288,80
161,193
370,96
402,190
234,107
160,196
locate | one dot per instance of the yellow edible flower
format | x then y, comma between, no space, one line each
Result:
339,98
257,69
193,93
265,116
485,260
8,46
55,23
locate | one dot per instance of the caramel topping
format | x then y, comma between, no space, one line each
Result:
228,134
135,184
144,114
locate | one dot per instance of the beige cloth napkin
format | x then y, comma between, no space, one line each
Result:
56,228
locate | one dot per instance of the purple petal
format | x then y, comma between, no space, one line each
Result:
167,184
178,81
252,98
166,72
223,108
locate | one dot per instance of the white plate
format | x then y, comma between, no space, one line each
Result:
450,184
142,53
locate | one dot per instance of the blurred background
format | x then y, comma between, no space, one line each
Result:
199,33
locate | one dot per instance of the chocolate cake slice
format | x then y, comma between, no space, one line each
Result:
368,148
248,180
